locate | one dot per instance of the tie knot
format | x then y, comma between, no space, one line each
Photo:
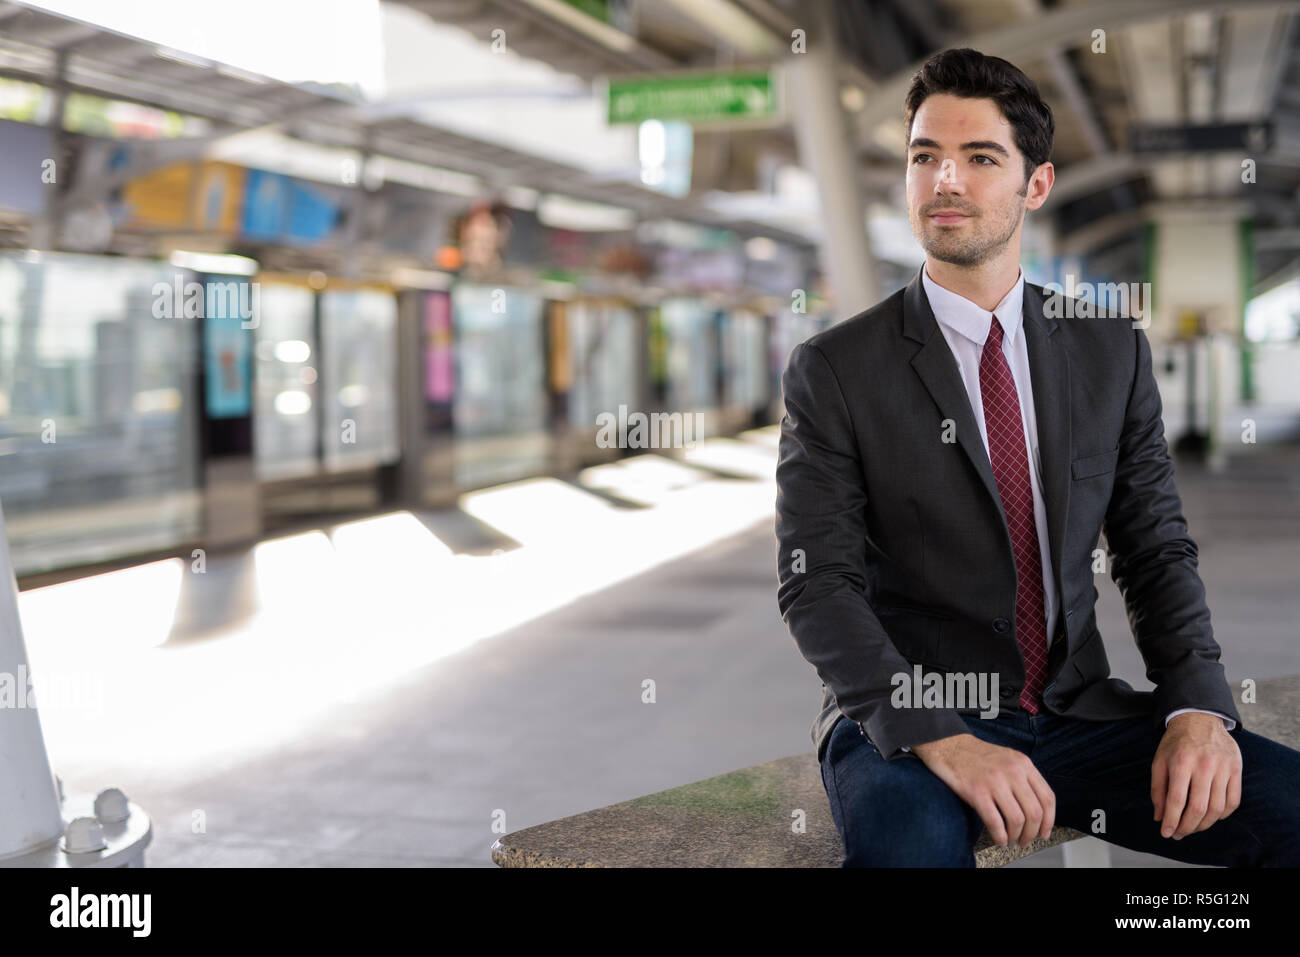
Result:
995,333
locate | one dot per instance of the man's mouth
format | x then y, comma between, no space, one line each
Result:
945,216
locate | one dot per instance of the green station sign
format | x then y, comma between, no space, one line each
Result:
701,98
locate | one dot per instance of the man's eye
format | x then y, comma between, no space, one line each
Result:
920,156
992,161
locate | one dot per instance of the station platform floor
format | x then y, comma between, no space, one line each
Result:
381,692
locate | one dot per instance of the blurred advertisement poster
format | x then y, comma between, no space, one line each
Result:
227,354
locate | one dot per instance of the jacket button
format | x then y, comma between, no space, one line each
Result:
1000,625
1070,613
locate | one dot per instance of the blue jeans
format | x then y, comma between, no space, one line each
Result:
900,814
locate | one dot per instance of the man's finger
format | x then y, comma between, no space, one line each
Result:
1198,800
988,812
1031,808
1218,799
1159,783
1011,812
1048,801
1180,775
1234,791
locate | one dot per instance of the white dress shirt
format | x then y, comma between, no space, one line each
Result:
965,327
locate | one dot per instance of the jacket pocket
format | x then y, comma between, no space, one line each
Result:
894,608
1089,465
1089,660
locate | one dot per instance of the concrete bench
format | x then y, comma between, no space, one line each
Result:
747,818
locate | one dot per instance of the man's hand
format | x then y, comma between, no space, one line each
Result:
1196,775
1000,783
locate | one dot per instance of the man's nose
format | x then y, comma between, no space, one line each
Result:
948,181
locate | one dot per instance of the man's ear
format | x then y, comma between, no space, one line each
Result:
1040,184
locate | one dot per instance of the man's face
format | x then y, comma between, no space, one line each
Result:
966,190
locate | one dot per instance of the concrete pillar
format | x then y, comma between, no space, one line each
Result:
827,150
1197,283
411,352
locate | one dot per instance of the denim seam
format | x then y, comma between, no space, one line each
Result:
844,821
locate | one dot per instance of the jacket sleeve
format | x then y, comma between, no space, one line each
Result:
821,534
1153,560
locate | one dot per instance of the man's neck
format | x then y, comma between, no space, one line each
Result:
985,285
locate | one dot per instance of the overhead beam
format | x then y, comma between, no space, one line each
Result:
1065,26
1270,240
1099,232
1277,277
1067,83
630,51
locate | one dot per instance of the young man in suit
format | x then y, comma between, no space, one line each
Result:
948,461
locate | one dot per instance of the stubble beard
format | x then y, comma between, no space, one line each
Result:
966,251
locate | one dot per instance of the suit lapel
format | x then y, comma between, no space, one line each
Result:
935,364
1050,379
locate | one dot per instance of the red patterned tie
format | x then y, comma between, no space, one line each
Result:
1011,470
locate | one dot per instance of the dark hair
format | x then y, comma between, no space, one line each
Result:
969,73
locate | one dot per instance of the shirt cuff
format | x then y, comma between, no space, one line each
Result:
1228,722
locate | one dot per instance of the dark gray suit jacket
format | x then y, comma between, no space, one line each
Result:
892,544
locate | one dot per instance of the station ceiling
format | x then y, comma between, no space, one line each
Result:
1164,62
1159,63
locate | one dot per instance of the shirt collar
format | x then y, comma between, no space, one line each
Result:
963,316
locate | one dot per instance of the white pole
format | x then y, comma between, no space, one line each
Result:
30,814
